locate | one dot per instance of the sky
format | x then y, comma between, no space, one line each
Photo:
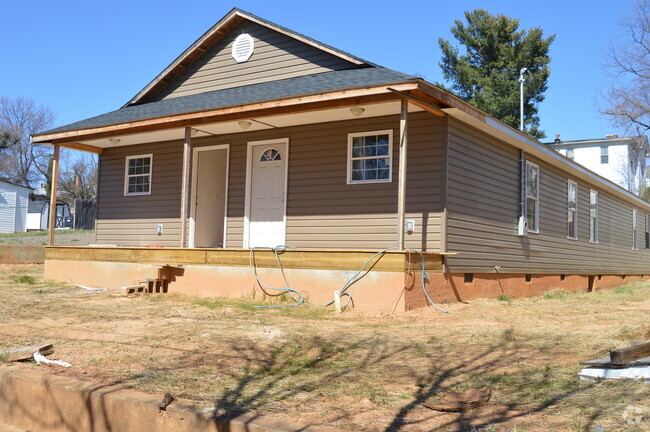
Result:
84,58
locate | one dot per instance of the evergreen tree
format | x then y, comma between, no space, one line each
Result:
486,74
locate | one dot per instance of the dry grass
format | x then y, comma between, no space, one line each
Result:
354,371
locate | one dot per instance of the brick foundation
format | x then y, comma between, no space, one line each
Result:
452,287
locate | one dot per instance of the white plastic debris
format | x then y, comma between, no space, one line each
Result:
634,372
40,359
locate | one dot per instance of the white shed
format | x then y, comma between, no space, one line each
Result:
13,207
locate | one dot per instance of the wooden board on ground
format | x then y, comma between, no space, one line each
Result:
621,356
26,353
606,362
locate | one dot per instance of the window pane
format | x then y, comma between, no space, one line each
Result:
530,214
531,181
371,175
357,175
371,163
357,165
382,150
370,151
383,174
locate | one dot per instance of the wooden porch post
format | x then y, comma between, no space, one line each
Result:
401,191
185,183
55,183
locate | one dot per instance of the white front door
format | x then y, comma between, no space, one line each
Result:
268,174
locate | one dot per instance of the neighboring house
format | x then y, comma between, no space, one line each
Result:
619,159
13,207
258,136
39,213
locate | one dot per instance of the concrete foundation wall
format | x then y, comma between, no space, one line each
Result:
378,290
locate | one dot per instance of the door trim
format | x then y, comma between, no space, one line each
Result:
195,173
247,199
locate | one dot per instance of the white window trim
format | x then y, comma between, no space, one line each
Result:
575,216
126,174
593,235
536,231
635,231
388,132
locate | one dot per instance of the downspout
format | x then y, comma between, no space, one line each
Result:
522,223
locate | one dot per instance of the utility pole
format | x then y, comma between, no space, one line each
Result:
521,80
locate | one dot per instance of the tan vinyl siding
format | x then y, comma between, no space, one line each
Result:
275,57
483,205
132,220
323,211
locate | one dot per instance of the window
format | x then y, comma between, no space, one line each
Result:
137,175
593,216
647,232
635,242
532,196
270,154
572,210
604,155
370,157
569,153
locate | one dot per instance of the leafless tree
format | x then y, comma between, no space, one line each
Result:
627,102
78,177
20,161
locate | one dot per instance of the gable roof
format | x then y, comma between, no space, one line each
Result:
292,87
217,32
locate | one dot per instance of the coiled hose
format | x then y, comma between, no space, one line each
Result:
298,297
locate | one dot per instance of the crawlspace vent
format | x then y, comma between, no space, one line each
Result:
242,48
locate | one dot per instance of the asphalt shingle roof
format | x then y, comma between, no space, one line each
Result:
292,87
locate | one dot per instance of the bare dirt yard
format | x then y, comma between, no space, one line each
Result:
63,237
352,371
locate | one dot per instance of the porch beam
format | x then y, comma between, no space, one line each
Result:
55,184
185,183
300,104
401,188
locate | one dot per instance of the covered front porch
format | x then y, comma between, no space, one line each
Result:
191,172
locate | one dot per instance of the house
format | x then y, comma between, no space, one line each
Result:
13,207
619,159
257,136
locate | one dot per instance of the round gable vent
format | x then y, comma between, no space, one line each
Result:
242,48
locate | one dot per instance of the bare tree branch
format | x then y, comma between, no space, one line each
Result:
627,102
20,161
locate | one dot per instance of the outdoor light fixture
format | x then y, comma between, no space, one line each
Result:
357,111
244,124
114,141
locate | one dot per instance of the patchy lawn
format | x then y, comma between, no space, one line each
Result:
353,371
62,237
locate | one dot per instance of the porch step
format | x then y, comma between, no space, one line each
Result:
158,284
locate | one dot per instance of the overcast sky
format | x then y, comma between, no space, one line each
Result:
84,58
